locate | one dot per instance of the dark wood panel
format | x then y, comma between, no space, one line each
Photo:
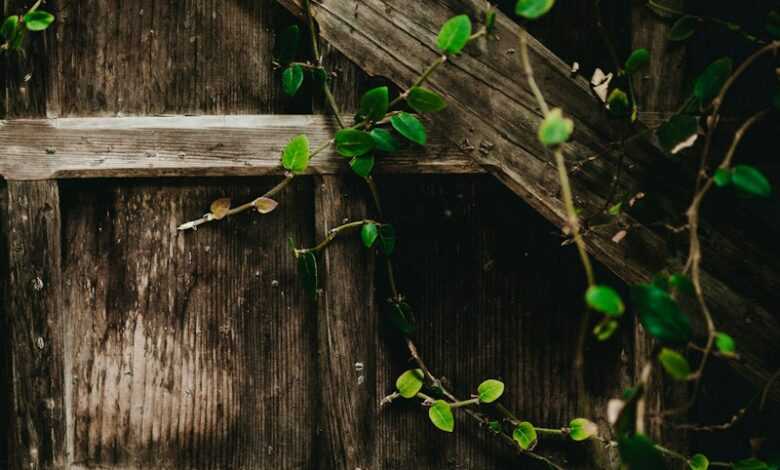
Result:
191,350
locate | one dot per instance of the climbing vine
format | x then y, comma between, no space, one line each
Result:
16,27
383,121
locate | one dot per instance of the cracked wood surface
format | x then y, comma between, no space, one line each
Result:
493,117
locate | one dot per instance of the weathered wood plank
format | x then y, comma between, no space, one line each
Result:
189,146
498,125
38,328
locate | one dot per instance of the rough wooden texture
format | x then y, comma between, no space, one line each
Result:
191,350
38,339
497,125
189,146
6,392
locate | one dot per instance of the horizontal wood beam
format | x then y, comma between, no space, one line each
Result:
493,115
190,146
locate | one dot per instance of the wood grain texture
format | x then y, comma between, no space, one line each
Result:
191,350
190,146
498,125
39,337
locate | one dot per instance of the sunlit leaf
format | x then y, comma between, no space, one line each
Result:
525,435
353,143
533,9
725,343
722,177
606,300
409,383
219,208
698,462
296,154
618,103
38,20
490,390
424,100
454,34
375,103
555,129
410,127
369,233
605,329
581,429
675,364
441,416
9,26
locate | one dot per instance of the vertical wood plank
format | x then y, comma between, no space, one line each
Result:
6,412
38,336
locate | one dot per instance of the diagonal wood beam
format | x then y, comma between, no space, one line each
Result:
493,117
188,146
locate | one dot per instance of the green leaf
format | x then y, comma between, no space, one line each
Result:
678,133
681,283
384,140
424,100
750,464
618,103
605,329
410,127
490,21
555,129
751,181
667,8
401,317
441,416
722,177
375,103
38,20
362,165
660,315
409,383
773,24
353,143
675,364
454,34
292,79
683,28
581,429
713,78
307,268
490,390
525,435
9,26
606,300
369,234
639,453
387,239
287,43
638,59
296,154
495,426
698,462
725,343
533,9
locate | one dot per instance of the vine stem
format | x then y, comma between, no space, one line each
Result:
333,234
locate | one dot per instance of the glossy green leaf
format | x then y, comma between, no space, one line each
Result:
675,364
287,44
683,28
773,24
401,317
369,233
38,20
296,154
410,127
362,165
375,103
441,416
618,103
9,26
387,239
750,181
424,100
698,462
639,453
454,34
725,343
353,143
555,129
307,268
533,9
722,177
638,59
606,300
385,142
409,383
292,79
681,284
525,435
490,390
605,329
581,429
713,78
678,133
495,426
660,315
750,464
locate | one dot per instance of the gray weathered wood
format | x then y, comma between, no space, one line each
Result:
39,330
189,146
492,115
